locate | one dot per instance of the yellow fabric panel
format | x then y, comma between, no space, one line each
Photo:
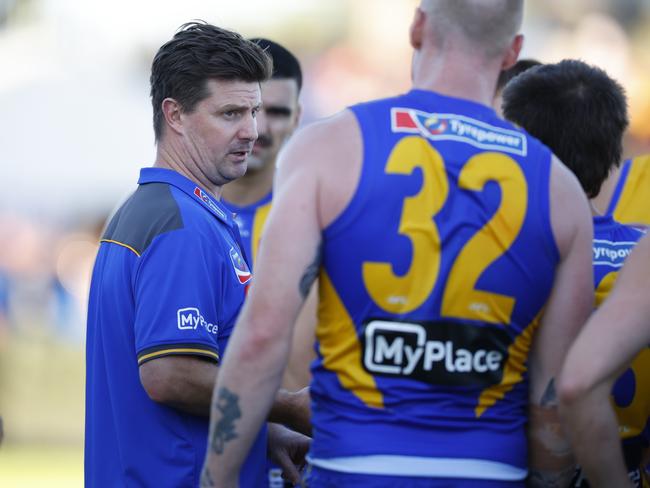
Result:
513,371
340,347
633,206
261,214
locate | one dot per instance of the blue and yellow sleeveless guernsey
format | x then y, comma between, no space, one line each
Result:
630,203
613,242
169,279
250,220
432,285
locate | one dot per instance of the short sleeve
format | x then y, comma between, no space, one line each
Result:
176,291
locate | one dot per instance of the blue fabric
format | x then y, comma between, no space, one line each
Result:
442,408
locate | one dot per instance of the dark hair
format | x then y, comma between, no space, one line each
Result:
516,69
578,111
285,64
197,53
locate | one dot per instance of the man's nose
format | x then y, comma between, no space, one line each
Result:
248,129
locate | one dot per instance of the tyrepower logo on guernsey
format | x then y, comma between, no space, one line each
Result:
190,319
438,353
239,265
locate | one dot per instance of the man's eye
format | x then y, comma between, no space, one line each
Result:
278,112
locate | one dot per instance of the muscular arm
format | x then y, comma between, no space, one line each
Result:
611,338
297,375
181,382
286,268
571,301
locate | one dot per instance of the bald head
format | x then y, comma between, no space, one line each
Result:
490,25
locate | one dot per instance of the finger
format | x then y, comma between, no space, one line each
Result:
289,470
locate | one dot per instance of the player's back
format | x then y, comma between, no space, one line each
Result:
433,280
630,202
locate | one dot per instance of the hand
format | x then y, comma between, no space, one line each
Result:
301,421
287,449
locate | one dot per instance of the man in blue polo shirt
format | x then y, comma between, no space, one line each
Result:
171,276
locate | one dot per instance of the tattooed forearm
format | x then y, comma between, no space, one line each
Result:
549,398
544,479
311,272
206,478
227,404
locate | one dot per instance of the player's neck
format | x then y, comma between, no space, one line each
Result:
444,74
250,188
601,201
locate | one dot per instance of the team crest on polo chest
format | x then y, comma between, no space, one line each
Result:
239,265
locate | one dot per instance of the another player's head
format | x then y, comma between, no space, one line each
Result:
485,31
508,74
577,110
280,108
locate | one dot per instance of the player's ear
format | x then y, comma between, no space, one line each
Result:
416,31
513,51
172,112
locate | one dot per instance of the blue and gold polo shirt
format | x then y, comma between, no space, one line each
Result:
169,279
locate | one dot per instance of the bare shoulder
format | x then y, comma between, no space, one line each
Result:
570,213
321,141
328,153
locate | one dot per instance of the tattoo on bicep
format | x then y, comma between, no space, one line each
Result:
549,398
228,405
311,273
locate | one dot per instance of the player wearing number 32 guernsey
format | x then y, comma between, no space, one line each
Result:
454,270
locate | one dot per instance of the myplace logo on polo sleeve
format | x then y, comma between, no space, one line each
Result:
190,318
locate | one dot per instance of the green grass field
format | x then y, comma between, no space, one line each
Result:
42,406
34,466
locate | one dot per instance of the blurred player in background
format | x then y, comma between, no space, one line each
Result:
444,240
505,76
249,197
574,98
626,193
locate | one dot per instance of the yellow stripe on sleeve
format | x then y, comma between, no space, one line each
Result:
121,244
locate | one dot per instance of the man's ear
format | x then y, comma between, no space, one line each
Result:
172,112
513,52
416,31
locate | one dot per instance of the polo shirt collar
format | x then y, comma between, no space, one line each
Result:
187,186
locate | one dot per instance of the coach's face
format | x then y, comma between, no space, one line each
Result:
220,131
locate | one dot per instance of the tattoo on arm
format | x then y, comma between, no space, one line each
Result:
549,398
311,272
206,479
544,479
228,405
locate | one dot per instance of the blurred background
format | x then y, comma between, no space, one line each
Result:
75,127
